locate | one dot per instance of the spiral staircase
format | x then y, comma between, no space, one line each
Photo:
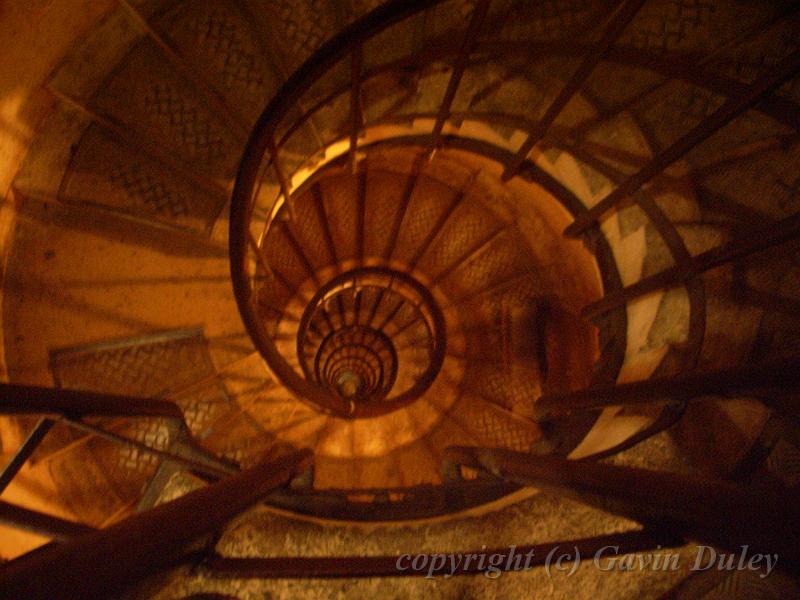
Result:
467,240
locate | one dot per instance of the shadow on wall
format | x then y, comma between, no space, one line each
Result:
118,229
36,36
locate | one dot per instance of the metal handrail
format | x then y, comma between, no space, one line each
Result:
719,512
272,135
109,560
71,406
262,140
27,399
435,323
536,555
264,144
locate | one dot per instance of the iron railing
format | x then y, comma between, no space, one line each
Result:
713,511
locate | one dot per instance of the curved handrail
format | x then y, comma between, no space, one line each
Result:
111,559
386,380
436,325
262,139
271,135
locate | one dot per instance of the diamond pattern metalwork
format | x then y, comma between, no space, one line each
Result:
141,367
147,95
308,230
747,61
771,179
676,112
127,467
544,20
339,195
221,34
146,366
305,25
469,222
193,127
147,190
105,173
383,199
245,442
283,258
668,24
215,37
85,486
428,203
270,299
507,387
203,407
501,260
493,429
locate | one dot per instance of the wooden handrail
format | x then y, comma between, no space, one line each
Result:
262,140
622,15
780,374
40,523
534,555
767,83
763,238
26,399
102,563
712,511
